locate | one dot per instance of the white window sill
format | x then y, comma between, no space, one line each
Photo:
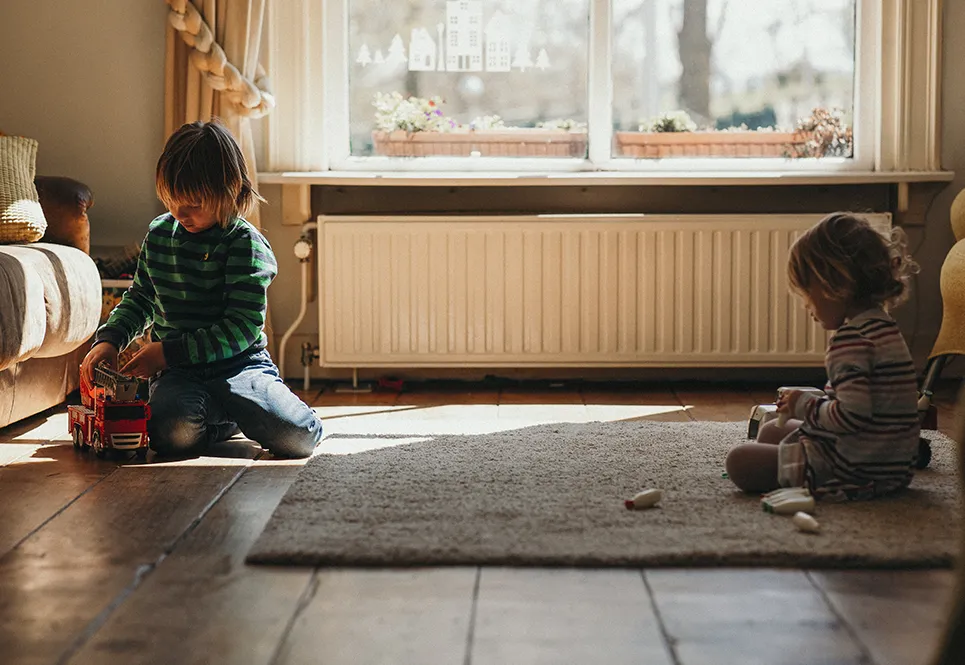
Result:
482,179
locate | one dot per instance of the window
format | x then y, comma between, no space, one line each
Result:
729,78
894,107
472,78
687,80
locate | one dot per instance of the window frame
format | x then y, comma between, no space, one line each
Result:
866,113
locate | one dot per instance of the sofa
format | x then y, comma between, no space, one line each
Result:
50,303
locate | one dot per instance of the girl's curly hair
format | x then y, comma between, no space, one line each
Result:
850,261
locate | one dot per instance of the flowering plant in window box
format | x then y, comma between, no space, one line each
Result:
417,127
676,135
827,135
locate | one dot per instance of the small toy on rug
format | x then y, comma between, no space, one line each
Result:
645,499
805,522
763,413
760,414
787,501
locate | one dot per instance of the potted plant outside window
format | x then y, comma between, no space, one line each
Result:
674,134
417,127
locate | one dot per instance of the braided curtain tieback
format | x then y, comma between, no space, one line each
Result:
251,99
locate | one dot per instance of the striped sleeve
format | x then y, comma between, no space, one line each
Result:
249,269
133,314
850,360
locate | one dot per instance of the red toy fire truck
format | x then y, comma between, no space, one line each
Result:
110,417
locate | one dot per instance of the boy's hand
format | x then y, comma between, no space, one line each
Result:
787,401
148,361
101,352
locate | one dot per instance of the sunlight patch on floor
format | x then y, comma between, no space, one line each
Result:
349,446
356,428
153,462
328,412
487,418
52,428
18,454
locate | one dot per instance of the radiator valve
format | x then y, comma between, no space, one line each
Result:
309,354
303,247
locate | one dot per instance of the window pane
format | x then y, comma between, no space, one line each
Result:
733,78
468,78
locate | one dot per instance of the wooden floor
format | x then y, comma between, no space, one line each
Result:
127,562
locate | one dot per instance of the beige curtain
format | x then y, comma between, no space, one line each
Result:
213,69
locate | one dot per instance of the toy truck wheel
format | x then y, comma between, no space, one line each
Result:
99,448
141,453
77,437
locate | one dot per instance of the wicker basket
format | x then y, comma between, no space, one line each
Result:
21,217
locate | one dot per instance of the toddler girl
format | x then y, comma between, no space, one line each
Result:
860,438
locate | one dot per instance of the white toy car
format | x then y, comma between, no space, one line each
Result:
762,413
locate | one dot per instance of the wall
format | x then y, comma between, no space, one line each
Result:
87,80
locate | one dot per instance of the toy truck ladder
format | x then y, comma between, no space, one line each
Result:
118,387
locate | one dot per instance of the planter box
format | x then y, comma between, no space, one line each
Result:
654,145
484,143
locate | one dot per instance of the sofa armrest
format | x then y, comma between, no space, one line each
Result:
65,203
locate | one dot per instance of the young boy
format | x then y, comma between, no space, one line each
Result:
201,284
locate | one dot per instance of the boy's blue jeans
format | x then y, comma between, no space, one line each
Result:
194,406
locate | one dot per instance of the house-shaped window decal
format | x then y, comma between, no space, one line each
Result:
464,52
422,51
497,43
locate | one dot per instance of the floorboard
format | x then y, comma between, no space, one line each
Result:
201,601
59,584
566,617
370,617
896,614
742,616
35,488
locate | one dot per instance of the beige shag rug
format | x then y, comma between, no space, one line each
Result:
552,495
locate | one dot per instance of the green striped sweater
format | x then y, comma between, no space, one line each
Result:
203,294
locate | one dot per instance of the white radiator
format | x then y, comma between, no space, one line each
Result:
562,290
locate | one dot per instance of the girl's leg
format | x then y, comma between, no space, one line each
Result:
255,397
183,418
772,432
753,466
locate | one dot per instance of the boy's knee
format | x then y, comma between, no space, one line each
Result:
295,443
175,436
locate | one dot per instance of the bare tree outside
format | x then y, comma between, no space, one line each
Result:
695,48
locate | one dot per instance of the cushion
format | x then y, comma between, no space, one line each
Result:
21,217
50,301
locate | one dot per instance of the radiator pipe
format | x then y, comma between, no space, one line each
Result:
305,260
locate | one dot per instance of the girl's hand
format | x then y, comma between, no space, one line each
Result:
98,354
787,401
148,361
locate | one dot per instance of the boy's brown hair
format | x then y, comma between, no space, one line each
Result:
202,165
851,262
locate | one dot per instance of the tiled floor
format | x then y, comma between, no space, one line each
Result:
114,562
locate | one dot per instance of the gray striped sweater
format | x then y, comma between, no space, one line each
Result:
203,294
861,438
